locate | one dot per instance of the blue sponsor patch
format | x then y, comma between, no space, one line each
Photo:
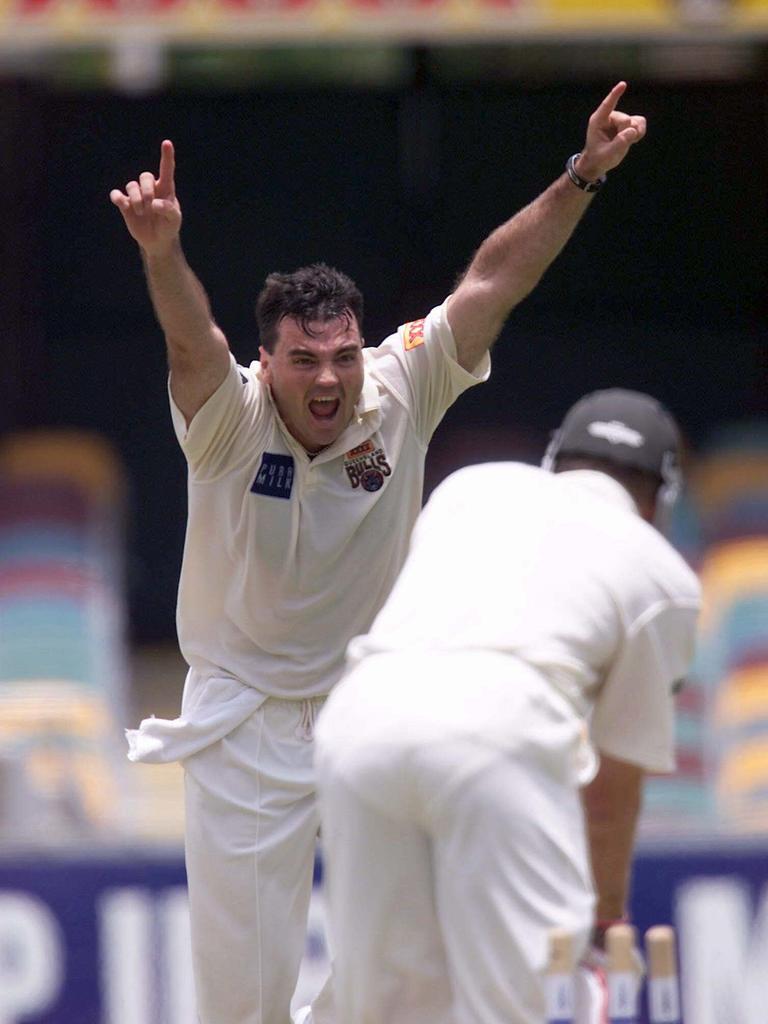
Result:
275,476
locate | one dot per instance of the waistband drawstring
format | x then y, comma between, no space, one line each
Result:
305,730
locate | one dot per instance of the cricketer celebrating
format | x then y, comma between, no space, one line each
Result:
450,757
303,466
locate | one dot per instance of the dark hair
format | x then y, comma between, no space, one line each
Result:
314,293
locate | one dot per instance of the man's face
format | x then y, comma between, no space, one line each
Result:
315,379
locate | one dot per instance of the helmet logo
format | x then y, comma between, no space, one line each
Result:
616,432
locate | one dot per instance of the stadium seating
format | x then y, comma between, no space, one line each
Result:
62,635
722,780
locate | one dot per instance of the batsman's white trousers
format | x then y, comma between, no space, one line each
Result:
454,838
251,825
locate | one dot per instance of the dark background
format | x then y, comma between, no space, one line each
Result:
663,288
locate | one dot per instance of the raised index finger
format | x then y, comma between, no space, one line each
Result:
165,180
608,105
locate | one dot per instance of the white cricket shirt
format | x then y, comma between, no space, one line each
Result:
559,572
287,558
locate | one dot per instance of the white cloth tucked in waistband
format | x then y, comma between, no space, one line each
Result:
210,709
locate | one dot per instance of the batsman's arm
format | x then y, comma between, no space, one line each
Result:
512,260
612,803
198,352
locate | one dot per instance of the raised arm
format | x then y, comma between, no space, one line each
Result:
198,353
512,260
612,803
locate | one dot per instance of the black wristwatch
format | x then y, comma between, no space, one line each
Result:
578,181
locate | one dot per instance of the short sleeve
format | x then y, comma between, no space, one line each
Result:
419,364
230,415
633,719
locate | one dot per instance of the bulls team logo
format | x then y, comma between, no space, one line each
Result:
413,335
372,480
367,467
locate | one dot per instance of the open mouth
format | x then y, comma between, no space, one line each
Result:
324,408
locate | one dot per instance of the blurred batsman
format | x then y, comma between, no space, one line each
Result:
305,474
539,617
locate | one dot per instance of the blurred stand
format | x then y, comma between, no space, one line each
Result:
63,678
731,488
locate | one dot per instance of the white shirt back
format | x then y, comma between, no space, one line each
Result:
561,572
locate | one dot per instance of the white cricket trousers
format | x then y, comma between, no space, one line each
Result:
449,857
251,825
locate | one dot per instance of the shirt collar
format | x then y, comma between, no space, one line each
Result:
602,485
370,396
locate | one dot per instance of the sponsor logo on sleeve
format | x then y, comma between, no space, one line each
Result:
366,466
275,476
413,335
